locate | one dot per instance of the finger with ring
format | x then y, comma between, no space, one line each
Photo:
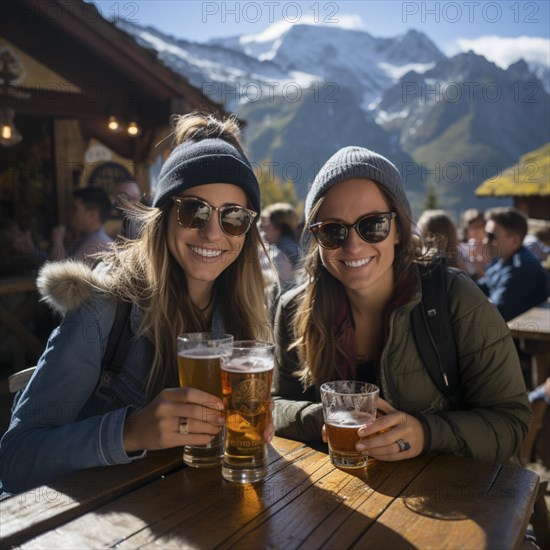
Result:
184,426
403,445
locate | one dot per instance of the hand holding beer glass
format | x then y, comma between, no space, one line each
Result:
200,356
347,405
246,388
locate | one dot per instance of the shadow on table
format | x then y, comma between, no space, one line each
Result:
304,501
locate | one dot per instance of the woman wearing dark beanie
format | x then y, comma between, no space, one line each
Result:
352,321
194,267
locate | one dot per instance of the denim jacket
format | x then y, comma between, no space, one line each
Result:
58,424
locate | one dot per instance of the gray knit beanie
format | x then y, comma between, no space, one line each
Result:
357,162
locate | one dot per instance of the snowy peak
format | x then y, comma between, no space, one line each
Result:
351,58
291,45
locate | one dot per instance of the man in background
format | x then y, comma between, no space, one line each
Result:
91,208
516,280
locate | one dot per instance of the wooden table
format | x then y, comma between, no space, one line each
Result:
532,328
433,501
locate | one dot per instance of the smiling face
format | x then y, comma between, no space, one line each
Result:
360,266
204,253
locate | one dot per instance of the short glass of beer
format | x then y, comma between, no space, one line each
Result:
246,388
347,405
200,356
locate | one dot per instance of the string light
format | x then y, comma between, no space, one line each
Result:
9,134
113,124
133,129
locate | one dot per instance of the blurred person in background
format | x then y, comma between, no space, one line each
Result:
127,195
437,226
537,241
91,208
516,280
278,227
128,190
19,255
473,235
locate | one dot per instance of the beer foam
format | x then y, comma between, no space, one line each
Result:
206,353
350,419
248,365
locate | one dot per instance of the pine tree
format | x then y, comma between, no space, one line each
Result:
431,201
274,190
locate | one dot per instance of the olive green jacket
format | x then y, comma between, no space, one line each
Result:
494,413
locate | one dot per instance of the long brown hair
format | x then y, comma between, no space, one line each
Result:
315,331
144,272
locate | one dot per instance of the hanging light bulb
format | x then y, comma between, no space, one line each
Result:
9,134
113,124
133,129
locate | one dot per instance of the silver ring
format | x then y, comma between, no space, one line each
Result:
184,426
403,445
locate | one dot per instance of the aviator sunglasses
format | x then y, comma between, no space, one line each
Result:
372,228
194,213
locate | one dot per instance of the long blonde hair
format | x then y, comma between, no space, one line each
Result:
314,325
144,272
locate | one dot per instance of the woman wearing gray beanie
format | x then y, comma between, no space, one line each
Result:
352,320
193,268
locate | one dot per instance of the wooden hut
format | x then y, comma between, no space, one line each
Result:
89,103
528,182
82,103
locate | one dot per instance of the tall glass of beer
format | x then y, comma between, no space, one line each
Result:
200,356
246,388
347,405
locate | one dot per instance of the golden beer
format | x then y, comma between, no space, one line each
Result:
347,406
246,387
342,435
200,356
200,369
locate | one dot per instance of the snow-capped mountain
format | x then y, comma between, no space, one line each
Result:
350,58
223,74
307,90
466,120
291,59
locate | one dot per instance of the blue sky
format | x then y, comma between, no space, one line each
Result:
502,30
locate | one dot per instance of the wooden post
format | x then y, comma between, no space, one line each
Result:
69,157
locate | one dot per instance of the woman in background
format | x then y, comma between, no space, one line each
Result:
278,227
438,229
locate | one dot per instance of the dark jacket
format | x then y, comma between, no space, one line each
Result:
515,285
494,414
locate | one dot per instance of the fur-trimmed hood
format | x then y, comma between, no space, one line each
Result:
66,285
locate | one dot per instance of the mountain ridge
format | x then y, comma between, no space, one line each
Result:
372,97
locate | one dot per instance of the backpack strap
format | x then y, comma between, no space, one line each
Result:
431,325
116,351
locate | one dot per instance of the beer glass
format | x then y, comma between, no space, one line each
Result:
246,388
347,405
200,355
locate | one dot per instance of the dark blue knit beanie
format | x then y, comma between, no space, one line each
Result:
195,163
